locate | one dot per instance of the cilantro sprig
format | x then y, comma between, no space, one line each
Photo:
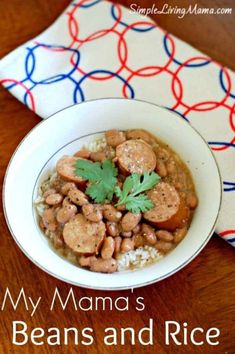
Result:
102,178
132,195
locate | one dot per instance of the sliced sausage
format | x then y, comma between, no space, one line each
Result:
140,134
169,211
130,221
135,156
114,137
83,236
104,265
66,169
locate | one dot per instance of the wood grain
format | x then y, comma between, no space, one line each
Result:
201,294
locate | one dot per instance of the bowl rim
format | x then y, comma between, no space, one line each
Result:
135,286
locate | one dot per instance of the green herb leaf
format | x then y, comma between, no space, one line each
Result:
127,187
149,180
102,178
140,203
133,186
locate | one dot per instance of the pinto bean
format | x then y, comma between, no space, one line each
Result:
66,213
136,229
85,261
164,235
178,185
108,248
127,245
41,224
92,212
162,154
57,239
121,207
139,240
126,233
67,187
114,137
163,246
149,234
49,192
111,213
130,221
104,265
171,167
179,234
83,153
98,156
49,220
54,199
191,200
161,168
118,241
140,134
66,201
112,228
77,197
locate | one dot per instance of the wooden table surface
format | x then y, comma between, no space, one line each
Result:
202,294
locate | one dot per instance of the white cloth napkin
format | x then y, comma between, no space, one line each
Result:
99,49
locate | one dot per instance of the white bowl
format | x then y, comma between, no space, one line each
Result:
64,133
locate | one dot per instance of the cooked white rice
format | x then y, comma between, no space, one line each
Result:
96,145
138,258
39,202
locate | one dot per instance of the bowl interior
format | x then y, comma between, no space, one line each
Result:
65,133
